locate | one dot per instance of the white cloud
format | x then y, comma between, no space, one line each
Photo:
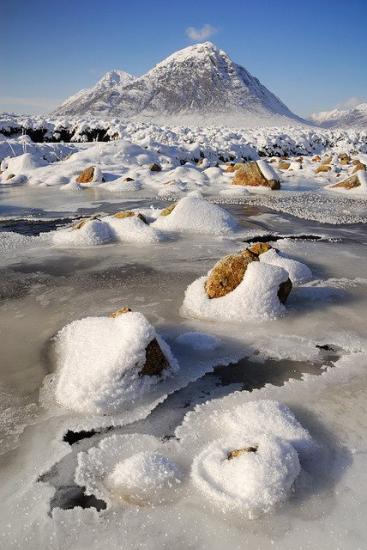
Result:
196,35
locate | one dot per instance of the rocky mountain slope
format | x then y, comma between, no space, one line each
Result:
199,85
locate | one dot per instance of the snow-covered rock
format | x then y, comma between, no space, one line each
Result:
90,233
259,475
102,362
132,230
196,215
256,297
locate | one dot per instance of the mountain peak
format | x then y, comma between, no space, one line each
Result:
199,85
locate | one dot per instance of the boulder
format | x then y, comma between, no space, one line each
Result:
228,273
231,168
358,166
284,290
322,168
250,173
129,214
316,158
168,210
155,167
120,311
155,361
344,158
259,248
128,179
327,159
88,175
283,165
349,183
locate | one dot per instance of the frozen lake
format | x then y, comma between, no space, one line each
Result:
320,346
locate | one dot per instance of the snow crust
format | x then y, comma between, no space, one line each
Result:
256,297
298,272
99,360
197,215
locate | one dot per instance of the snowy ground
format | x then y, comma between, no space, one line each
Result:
75,480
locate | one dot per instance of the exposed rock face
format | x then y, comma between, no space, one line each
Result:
250,174
155,167
284,290
168,210
87,175
323,168
238,452
349,183
155,361
344,158
120,311
228,273
129,214
259,248
283,165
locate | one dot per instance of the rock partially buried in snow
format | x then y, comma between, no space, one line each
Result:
283,165
120,311
359,166
257,174
91,174
105,362
196,215
248,482
259,248
228,273
358,180
344,158
155,167
322,168
89,232
167,211
258,296
129,214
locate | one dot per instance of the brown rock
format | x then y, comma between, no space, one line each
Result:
10,176
228,273
356,161
358,166
344,158
284,290
155,361
322,168
259,248
283,165
327,159
250,174
317,158
230,168
129,214
300,160
155,167
128,179
86,176
120,311
349,183
168,210
238,452
80,223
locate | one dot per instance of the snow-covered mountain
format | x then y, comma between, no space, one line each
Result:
90,98
338,118
199,85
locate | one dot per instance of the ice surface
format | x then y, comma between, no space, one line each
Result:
256,297
198,341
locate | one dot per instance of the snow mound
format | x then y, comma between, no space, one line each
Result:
143,477
100,360
197,215
22,164
252,482
298,272
92,233
255,297
132,230
198,341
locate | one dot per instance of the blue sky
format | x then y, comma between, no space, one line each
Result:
311,54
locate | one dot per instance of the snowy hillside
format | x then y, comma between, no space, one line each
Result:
337,118
199,85
108,86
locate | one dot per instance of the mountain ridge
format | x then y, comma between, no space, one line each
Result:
197,85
